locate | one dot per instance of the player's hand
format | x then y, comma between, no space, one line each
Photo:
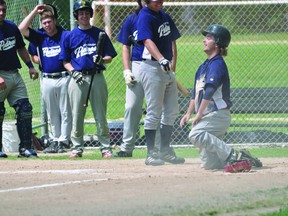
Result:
129,78
3,85
165,64
98,60
197,118
33,73
78,76
184,119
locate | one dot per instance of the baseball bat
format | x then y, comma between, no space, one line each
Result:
182,89
99,50
25,13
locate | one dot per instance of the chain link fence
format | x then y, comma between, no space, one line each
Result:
257,62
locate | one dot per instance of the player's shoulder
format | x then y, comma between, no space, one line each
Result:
10,24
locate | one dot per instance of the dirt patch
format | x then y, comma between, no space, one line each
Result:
129,187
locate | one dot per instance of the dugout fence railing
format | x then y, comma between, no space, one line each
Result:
257,58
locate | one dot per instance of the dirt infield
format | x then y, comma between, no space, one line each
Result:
129,187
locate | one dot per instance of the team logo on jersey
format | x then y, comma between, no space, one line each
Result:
86,49
135,34
51,51
164,29
7,43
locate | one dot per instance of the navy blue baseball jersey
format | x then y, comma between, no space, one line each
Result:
10,40
213,72
160,28
129,28
49,49
79,48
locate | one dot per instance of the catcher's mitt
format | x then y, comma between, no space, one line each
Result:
238,166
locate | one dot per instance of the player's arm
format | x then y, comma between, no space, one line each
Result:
24,25
35,59
153,49
68,66
127,73
126,57
23,53
207,97
174,58
188,114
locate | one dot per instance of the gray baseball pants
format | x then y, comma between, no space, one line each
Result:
58,108
98,101
207,135
161,95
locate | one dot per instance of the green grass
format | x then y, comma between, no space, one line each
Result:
181,152
281,212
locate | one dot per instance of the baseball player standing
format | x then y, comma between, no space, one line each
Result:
158,33
55,76
79,57
134,89
12,86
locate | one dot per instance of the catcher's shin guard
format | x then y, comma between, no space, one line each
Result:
2,113
24,122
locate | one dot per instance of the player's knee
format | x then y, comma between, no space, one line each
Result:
196,138
23,109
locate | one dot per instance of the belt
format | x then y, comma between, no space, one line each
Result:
149,59
56,75
90,72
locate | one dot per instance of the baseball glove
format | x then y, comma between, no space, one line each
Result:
238,166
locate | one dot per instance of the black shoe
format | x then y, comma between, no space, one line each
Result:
27,153
153,159
122,154
234,156
3,155
52,148
170,157
62,147
246,155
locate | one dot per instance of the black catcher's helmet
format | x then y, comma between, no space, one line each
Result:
81,4
221,34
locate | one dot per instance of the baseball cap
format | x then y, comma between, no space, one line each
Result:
52,9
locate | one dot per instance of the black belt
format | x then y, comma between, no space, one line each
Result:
55,75
149,59
90,72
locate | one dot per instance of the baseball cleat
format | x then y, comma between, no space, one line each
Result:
123,154
170,157
61,147
234,156
107,154
246,155
153,159
27,153
238,166
3,155
52,148
76,155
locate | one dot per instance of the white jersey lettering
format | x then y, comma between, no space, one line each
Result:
164,29
51,51
7,43
86,49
